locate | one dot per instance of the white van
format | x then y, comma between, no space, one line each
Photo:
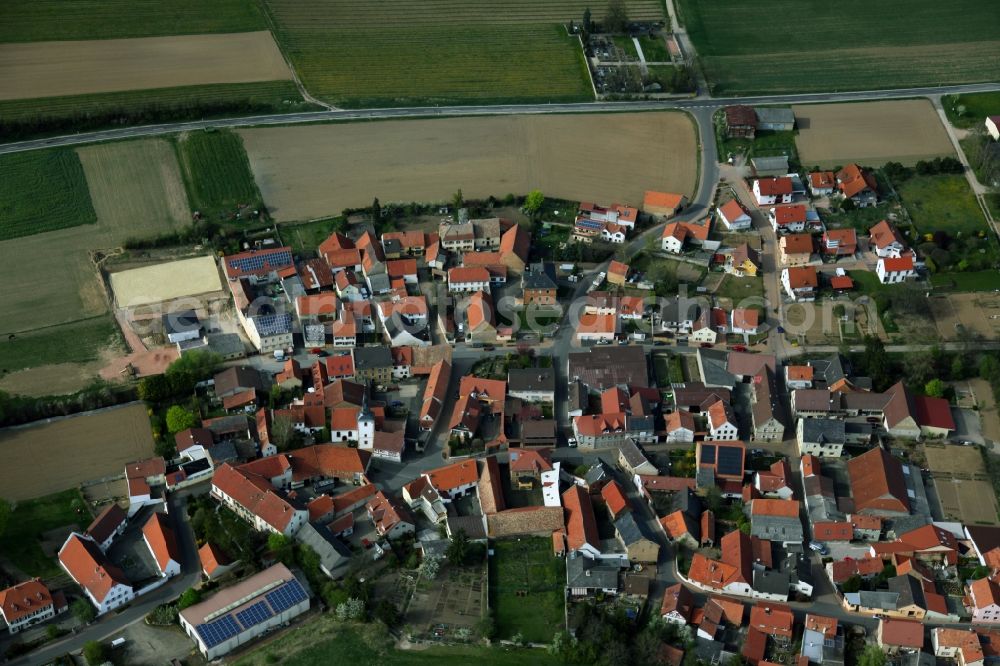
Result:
117,643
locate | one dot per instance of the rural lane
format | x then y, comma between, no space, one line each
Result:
501,110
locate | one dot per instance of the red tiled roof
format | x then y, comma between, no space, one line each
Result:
784,215
802,276
24,599
581,526
754,646
772,619
745,318
825,625
985,592
877,482
797,244
774,186
897,264
192,437
530,460
106,522
841,282
732,210
463,274
254,493
480,310
662,199
934,412
866,566
833,531
618,268
345,258
854,180
679,599
665,483
885,234
328,460
614,498
775,507
450,477
89,567
592,425
336,241
901,633
161,540
822,179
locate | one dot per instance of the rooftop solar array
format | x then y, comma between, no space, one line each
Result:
218,631
261,261
730,460
589,224
286,596
277,601
273,324
708,454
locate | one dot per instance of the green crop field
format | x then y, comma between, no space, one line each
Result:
20,542
527,588
397,52
942,203
30,117
42,190
50,20
217,172
842,46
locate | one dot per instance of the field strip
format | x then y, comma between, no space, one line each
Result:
871,133
306,172
163,282
50,69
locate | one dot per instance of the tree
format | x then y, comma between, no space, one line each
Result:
919,368
872,656
852,584
154,388
487,626
283,432
83,611
588,25
533,202
935,388
616,18
189,597
280,546
457,200
989,368
179,418
94,653
875,362
387,612
430,568
352,609
713,498
376,210
458,549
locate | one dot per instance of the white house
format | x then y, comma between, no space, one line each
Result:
614,233
744,321
822,183
26,604
680,426
104,584
800,282
770,191
893,270
734,216
162,545
791,219
468,279
798,377
886,240
722,422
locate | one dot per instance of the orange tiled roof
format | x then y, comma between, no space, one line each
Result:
581,526
454,476
797,244
614,498
774,186
775,507
825,625
89,567
24,599
662,199
161,540
802,276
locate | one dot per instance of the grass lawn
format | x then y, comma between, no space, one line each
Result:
217,173
942,203
76,342
857,45
527,566
976,107
43,190
20,542
861,219
972,281
50,20
654,49
627,46
765,144
320,640
29,117
305,237
866,282
737,289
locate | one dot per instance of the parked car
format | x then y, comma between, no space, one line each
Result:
739,348
489,347
366,543
396,403
706,345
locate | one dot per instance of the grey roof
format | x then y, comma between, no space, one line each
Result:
538,276
776,528
779,163
680,309
630,530
704,477
333,554
815,400
695,394
181,322
226,344
602,368
392,245
823,431
531,379
577,396
273,324
774,114
379,283
865,401
225,425
909,590
597,472
223,452
830,369
812,645
771,582
366,358
767,404
714,365
632,453
237,378
687,501
472,525
882,599
587,573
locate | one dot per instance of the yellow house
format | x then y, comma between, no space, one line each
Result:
742,261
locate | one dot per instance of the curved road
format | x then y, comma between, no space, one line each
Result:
506,109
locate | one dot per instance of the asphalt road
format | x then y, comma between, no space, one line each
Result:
506,109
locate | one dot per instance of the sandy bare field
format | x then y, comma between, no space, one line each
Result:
975,312
135,180
312,171
871,133
50,69
164,282
962,483
43,459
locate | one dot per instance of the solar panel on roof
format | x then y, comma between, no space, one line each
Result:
286,596
254,615
708,454
273,324
730,460
257,262
218,631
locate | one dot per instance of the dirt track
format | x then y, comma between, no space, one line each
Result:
312,171
50,69
871,133
43,459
